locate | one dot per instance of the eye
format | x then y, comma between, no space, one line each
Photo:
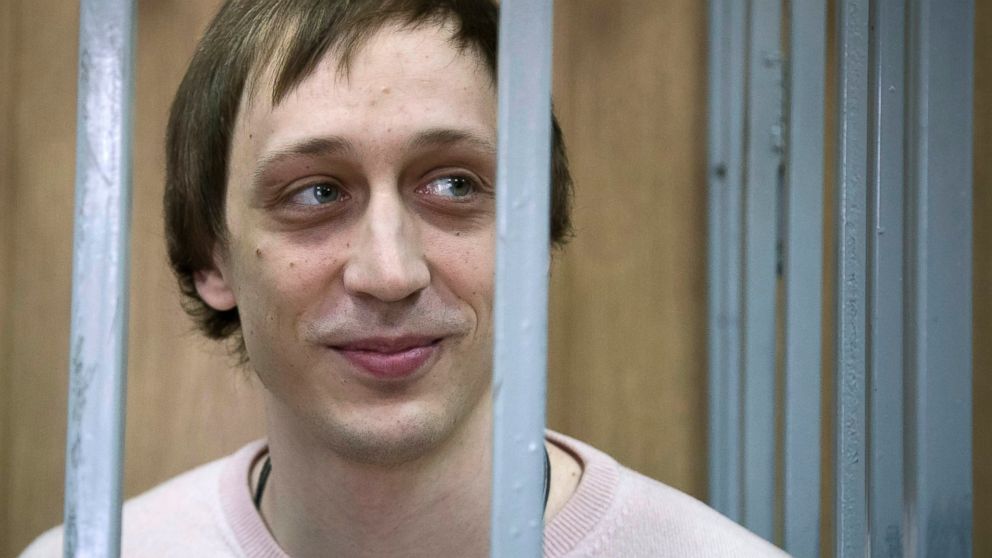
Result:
451,187
318,194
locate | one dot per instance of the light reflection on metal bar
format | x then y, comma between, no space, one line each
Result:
803,277
850,452
522,258
939,407
763,160
726,134
885,277
98,352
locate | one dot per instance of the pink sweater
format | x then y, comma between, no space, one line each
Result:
615,512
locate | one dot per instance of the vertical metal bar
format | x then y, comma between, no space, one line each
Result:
803,276
98,352
939,485
716,379
522,259
885,277
852,169
716,254
734,234
763,160
727,94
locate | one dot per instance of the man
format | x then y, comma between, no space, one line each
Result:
330,208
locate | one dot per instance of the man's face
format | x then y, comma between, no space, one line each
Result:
361,213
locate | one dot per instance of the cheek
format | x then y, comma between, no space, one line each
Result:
276,283
465,266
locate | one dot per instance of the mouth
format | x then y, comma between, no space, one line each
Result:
390,358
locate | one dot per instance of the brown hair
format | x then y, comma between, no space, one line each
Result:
289,37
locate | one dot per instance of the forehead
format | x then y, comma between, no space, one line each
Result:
401,81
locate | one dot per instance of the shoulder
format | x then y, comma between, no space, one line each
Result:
618,512
673,518
180,517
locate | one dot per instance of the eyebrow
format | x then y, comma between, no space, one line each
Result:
431,138
441,137
322,146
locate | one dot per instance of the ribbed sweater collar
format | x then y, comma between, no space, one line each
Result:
585,509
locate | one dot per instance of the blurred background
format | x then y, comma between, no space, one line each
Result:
628,316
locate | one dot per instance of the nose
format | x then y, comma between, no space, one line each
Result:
387,260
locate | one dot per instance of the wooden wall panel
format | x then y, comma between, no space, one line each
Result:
982,280
7,42
628,359
37,325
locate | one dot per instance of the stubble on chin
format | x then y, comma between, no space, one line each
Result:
388,443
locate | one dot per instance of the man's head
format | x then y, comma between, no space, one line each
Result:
261,50
331,199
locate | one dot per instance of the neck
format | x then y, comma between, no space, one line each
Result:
319,502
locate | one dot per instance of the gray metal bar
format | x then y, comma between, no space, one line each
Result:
939,407
852,168
763,160
885,277
803,277
725,135
522,259
98,352
734,252
716,278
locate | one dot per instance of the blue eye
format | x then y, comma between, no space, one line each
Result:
452,186
318,194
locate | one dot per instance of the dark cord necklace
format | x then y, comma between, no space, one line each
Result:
263,478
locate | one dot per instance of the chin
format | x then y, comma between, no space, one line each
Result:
388,438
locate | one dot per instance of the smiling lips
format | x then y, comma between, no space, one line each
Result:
389,359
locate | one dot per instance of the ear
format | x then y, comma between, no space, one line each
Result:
214,289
